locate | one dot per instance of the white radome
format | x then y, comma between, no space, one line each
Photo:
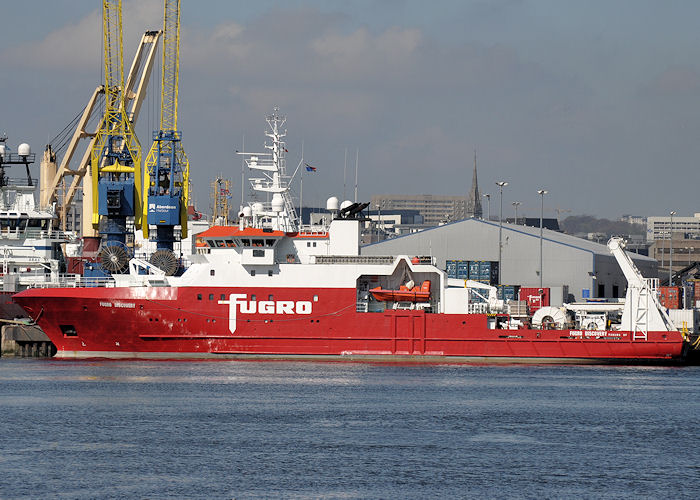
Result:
24,149
332,203
277,202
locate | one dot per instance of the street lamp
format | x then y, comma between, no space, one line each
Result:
516,204
541,192
488,206
379,221
501,185
670,252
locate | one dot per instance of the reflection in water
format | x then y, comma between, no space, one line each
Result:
345,430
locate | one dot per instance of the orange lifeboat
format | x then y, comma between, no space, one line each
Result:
403,294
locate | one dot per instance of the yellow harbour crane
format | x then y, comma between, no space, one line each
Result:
221,194
116,155
61,183
166,183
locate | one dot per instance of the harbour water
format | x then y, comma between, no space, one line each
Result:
240,429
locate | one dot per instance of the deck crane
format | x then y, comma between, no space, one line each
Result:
642,311
116,154
166,183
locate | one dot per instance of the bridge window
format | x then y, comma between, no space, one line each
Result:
269,243
245,242
258,243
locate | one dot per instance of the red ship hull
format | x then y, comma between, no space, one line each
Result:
205,322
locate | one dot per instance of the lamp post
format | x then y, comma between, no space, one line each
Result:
670,251
488,206
516,204
501,185
541,192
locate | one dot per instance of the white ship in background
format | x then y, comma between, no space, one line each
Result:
31,251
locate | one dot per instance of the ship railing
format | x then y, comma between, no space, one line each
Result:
17,159
16,256
313,230
75,281
354,259
477,308
34,275
368,259
23,234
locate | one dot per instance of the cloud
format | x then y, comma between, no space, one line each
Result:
675,81
414,100
78,46
360,50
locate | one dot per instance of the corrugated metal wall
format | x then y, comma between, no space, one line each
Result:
568,261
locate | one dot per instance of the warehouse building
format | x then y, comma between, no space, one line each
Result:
573,268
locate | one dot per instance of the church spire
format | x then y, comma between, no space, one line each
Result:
474,202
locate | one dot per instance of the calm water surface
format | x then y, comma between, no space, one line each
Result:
237,429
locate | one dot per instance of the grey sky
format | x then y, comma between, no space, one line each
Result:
598,101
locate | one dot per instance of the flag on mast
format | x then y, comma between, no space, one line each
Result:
309,168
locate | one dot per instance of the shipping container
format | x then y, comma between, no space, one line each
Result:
508,292
495,274
685,320
484,270
670,297
462,269
474,270
694,291
535,297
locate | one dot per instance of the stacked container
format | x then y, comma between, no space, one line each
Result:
484,271
508,293
478,270
535,297
670,297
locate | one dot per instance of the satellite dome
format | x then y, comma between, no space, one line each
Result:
247,212
277,202
332,203
24,149
257,207
345,204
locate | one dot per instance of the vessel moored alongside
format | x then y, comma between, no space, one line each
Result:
271,287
